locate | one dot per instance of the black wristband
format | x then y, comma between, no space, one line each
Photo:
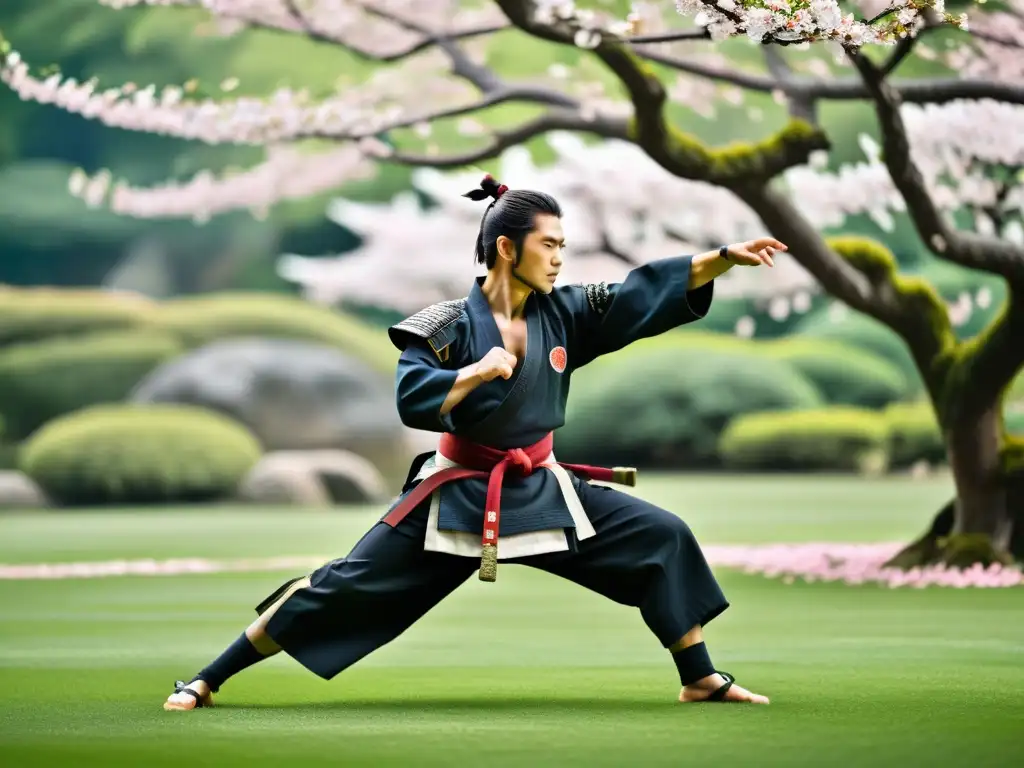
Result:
723,252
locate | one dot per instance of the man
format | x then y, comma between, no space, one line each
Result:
491,373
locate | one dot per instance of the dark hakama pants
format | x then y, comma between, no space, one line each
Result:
642,556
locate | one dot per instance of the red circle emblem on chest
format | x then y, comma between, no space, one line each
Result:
557,358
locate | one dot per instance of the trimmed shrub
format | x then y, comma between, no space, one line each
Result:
49,378
689,339
140,455
914,434
844,374
839,438
36,314
8,456
724,314
32,314
200,320
859,330
8,452
665,407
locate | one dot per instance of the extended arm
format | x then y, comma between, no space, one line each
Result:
655,297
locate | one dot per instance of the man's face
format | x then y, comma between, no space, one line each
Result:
541,259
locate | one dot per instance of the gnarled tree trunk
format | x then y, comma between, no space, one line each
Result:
965,381
983,522
974,458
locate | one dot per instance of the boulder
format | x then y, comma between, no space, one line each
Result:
313,478
18,491
294,396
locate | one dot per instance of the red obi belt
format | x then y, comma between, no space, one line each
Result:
477,460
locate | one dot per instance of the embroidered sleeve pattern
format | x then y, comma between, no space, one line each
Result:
597,296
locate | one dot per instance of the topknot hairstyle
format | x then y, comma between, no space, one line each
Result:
512,213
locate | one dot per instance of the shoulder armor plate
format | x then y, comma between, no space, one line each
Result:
435,323
597,296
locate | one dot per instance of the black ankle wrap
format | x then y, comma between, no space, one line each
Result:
693,663
239,655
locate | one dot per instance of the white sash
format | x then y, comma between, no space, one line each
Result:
511,546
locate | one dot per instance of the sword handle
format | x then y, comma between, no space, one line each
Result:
624,476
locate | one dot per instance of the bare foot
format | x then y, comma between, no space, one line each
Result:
181,699
702,689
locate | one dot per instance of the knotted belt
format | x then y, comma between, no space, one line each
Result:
477,460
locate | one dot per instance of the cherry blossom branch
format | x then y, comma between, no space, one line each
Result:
287,174
553,120
964,248
991,37
917,91
800,105
747,80
287,116
835,274
463,66
900,52
928,20
797,21
678,153
328,21
290,173
426,40
502,94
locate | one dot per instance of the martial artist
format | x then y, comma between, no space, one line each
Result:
491,374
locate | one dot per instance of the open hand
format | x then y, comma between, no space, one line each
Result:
754,253
497,362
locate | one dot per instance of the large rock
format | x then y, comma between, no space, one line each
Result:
18,491
293,395
313,478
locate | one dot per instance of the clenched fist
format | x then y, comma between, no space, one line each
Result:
497,362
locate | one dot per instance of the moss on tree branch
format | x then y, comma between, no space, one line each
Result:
983,364
686,156
917,298
868,256
744,162
921,318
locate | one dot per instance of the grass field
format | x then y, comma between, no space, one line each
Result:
531,670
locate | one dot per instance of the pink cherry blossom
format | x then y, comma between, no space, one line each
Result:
609,229
347,22
952,159
854,564
288,173
809,20
385,101
974,136
851,564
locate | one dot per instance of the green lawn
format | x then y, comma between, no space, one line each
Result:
528,670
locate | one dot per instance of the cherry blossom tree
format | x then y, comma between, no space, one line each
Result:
948,145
